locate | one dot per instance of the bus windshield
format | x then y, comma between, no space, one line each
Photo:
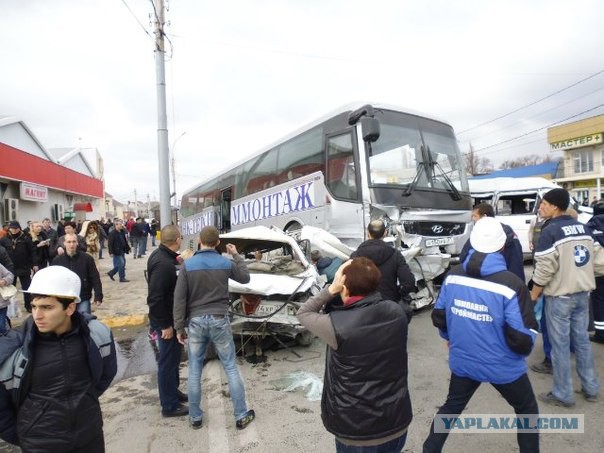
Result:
415,151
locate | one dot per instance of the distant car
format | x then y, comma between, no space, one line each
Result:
263,311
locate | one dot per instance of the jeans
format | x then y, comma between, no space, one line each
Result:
168,377
3,321
567,319
201,331
84,306
142,246
547,346
119,266
134,242
519,394
25,281
393,446
153,239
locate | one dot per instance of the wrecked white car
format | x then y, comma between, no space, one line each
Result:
263,311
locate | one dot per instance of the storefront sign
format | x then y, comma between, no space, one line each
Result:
585,184
586,140
32,192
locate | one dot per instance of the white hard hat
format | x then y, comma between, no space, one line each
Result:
57,281
487,235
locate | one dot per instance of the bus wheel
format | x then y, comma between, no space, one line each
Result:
293,229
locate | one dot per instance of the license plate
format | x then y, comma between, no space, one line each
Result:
439,241
266,309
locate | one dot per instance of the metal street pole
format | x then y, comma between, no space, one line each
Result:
165,210
174,169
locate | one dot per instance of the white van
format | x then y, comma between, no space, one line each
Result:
516,201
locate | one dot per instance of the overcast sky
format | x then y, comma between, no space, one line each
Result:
241,74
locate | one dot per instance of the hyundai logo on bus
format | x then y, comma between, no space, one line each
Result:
437,229
293,199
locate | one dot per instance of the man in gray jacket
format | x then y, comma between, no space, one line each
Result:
564,273
201,301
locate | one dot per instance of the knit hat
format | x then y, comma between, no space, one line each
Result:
487,236
14,224
315,255
559,198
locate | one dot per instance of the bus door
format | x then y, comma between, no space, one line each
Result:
225,210
343,209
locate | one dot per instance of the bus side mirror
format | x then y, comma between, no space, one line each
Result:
371,129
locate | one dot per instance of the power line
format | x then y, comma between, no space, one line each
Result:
536,115
136,18
539,129
532,103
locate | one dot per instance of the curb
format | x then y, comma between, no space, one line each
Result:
115,322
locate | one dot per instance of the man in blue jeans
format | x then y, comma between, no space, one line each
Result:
564,273
161,280
118,248
201,301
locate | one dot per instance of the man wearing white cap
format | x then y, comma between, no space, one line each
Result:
53,370
485,313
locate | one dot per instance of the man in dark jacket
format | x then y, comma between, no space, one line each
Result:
486,315
366,355
397,279
82,264
512,250
118,248
21,250
6,261
161,279
596,224
59,247
54,368
136,236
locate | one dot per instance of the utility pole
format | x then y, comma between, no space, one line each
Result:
165,209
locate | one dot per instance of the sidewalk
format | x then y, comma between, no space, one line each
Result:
124,304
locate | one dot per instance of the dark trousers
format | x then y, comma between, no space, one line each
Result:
168,377
597,303
519,394
25,282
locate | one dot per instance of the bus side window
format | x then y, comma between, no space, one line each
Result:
341,169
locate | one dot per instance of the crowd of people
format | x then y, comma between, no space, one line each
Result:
485,311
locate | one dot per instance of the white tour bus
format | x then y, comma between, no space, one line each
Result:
516,201
360,163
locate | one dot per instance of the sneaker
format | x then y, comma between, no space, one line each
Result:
110,276
246,420
180,411
597,338
549,398
589,397
544,367
196,424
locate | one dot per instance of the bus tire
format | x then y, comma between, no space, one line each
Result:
293,227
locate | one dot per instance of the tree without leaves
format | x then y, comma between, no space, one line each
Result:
476,165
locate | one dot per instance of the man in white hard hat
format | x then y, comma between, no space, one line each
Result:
53,370
485,313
